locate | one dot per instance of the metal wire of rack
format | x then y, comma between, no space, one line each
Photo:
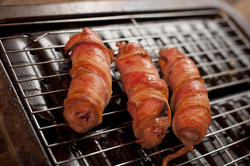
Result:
40,70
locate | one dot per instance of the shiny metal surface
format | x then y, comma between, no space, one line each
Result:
40,71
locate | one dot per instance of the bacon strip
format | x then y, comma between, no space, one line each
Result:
189,101
91,86
147,94
179,153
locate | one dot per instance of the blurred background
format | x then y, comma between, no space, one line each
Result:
241,5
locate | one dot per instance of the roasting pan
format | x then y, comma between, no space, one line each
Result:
35,78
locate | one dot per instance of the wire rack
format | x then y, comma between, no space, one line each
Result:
40,71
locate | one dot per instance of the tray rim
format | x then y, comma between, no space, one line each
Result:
13,14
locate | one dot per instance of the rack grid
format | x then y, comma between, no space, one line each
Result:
40,71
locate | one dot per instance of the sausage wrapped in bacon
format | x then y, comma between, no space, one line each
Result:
147,94
91,86
189,101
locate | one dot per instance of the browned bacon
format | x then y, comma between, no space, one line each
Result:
91,86
147,94
189,101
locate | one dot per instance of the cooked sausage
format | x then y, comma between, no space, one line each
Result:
147,94
189,101
91,86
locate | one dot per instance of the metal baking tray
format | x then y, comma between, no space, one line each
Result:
38,70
